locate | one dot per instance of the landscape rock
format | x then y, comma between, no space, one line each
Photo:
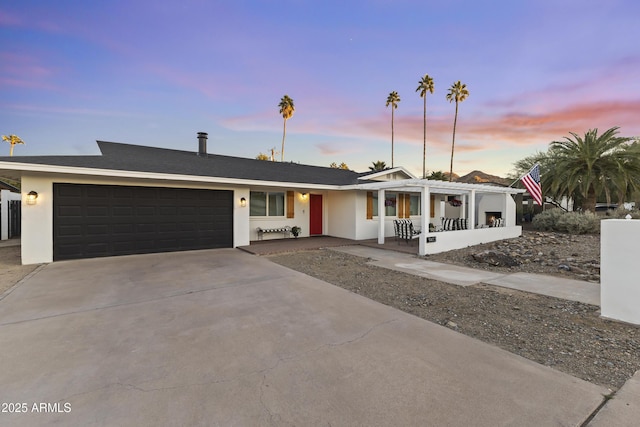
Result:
534,252
496,258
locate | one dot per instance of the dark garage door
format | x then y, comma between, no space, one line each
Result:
105,220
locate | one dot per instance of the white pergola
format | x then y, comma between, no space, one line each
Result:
427,187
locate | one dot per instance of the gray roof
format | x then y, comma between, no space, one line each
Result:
137,158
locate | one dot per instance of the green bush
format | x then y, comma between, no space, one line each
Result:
567,222
579,223
547,220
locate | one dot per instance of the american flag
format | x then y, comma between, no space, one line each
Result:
531,182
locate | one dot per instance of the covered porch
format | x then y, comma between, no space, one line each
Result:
482,213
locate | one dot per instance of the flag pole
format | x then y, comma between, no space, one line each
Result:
523,175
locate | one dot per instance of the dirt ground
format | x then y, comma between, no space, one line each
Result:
11,270
565,335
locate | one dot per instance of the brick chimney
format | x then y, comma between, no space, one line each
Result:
202,144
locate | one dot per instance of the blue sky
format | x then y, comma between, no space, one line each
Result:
156,73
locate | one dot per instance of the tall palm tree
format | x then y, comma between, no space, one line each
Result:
587,165
378,166
457,92
13,140
286,109
392,100
425,85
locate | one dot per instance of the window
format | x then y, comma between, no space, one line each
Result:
415,205
390,204
266,204
403,205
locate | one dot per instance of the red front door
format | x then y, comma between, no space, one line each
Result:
315,214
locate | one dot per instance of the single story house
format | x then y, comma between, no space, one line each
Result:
135,199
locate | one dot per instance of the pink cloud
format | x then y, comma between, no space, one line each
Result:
24,71
515,128
71,111
9,20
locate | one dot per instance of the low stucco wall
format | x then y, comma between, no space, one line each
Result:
450,240
619,283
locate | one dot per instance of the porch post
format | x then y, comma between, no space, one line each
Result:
464,206
472,210
505,214
381,217
425,201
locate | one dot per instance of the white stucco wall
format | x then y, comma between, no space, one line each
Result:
368,228
342,212
496,203
449,240
300,216
619,283
37,220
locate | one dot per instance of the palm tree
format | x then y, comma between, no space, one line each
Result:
378,166
457,92
392,100
425,85
592,164
342,165
286,109
438,176
13,140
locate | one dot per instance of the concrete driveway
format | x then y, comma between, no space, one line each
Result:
222,337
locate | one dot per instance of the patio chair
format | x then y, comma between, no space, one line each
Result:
406,231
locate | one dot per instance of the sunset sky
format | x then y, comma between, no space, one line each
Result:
157,72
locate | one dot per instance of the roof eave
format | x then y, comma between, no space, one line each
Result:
115,173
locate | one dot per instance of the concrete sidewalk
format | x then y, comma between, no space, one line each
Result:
222,337
574,290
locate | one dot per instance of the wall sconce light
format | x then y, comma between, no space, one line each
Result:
304,196
32,197
243,202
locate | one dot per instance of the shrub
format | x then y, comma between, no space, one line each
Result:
621,213
567,222
547,220
579,223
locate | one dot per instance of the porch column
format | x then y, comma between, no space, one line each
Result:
472,210
507,218
381,217
425,210
464,206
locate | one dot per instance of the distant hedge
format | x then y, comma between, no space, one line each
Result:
567,222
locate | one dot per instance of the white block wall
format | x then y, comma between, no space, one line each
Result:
619,277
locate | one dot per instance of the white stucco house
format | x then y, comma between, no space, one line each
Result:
134,199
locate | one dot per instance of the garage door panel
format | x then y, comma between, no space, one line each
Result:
70,230
97,229
97,249
94,220
98,211
125,211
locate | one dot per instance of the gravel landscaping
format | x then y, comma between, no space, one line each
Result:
11,270
565,335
